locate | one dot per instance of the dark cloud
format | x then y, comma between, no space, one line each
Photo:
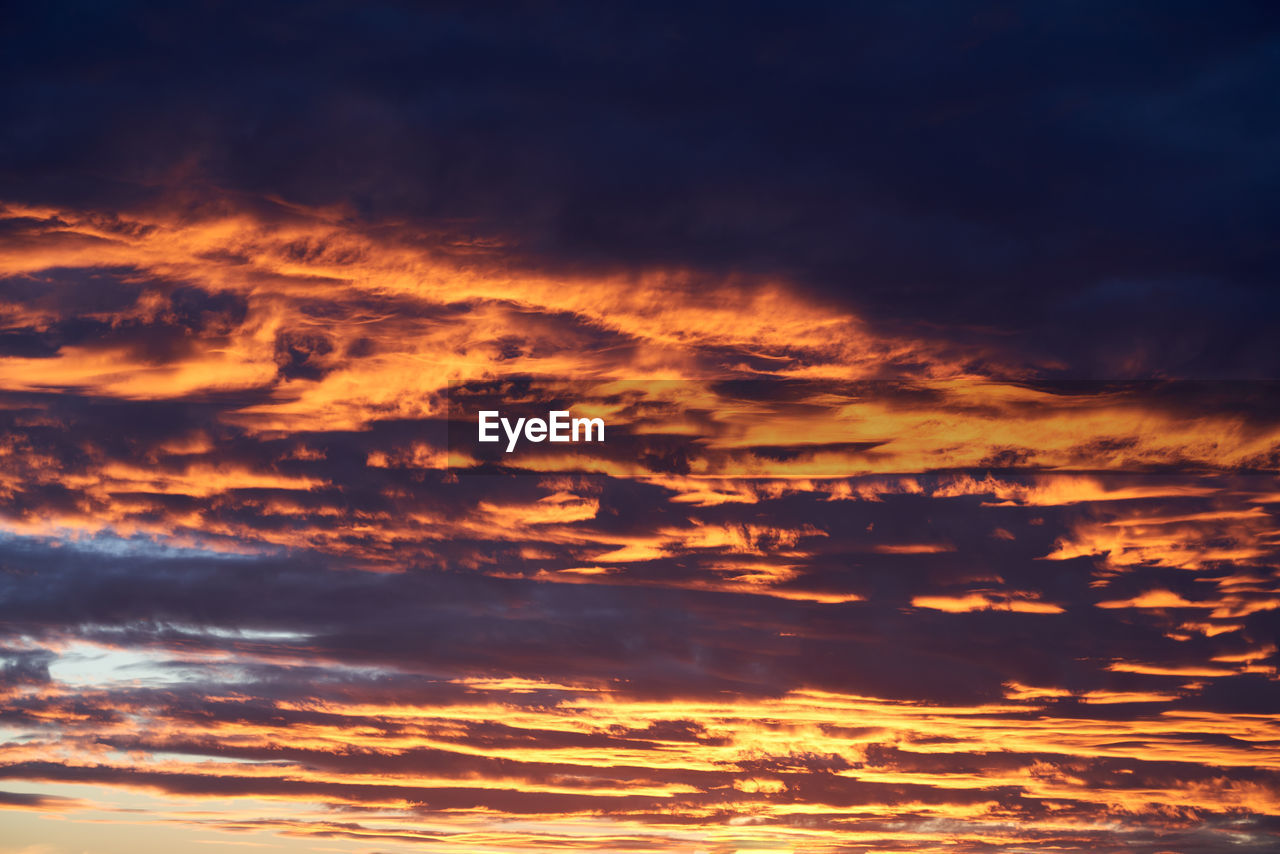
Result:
25,800
25,666
118,309
995,169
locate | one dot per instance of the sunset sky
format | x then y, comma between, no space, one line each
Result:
937,345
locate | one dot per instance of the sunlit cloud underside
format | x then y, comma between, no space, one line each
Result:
826,588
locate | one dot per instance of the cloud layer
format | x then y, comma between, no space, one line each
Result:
939,506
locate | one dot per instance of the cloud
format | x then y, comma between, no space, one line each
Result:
938,511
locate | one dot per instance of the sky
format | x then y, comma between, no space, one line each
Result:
938,507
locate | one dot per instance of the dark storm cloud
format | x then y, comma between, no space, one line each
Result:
1092,184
